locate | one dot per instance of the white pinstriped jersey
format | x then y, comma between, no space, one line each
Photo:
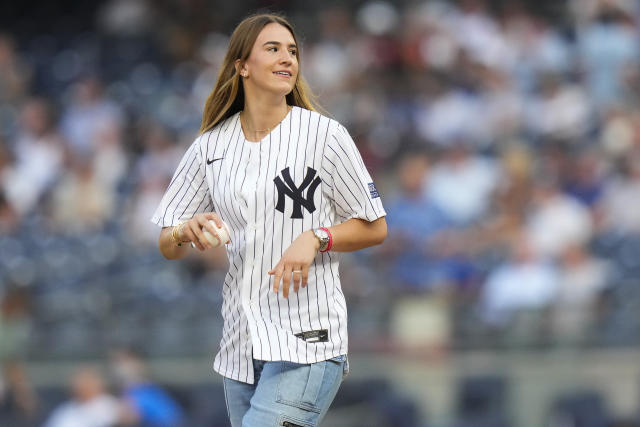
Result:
306,173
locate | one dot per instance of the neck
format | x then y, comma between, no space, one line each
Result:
259,118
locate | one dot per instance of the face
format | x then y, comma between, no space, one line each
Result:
272,65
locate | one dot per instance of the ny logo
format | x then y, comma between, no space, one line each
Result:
289,188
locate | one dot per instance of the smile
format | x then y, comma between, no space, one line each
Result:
282,73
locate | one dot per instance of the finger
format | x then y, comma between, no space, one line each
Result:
215,217
286,280
188,232
276,280
297,277
305,275
199,234
206,225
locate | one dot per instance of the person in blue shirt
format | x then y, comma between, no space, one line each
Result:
146,403
416,221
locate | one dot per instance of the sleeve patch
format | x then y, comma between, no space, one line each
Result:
373,191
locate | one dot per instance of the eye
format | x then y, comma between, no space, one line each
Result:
294,52
272,49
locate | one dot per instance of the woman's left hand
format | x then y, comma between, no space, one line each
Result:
295,263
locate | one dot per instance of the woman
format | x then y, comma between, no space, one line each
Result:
293,191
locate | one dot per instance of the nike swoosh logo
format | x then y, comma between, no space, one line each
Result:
214,160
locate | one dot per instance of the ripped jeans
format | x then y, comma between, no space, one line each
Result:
285,393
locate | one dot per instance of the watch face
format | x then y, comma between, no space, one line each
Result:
322,234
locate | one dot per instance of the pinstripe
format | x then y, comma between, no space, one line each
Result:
232,213
240,188
302,228
323,220
337,189
192,198
255,237
343,213
273,263
295,169
222,206
266,327
313,225
269,284
343,180
282,240
333,291
357,183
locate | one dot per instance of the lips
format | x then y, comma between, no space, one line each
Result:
282,73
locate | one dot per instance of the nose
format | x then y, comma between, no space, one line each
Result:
287,57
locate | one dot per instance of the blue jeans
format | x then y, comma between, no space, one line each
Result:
285,393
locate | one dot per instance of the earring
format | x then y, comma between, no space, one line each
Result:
243,74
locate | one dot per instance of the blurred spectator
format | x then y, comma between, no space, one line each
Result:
89,111
618,132
152,172
478,33
503,106
9,218
90,404
15,322
617,214
561,110
452,114
125,17
581,281
607,45
556,220
14,84
585,179
109,158
80,202
413,222
540,46
146,404
14,75
503,224
522,283
18,403
461,184
38,154
332,48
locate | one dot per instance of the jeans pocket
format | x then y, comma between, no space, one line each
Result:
344,360
300,385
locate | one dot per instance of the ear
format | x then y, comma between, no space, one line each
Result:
241,68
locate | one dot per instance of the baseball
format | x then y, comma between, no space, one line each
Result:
222,235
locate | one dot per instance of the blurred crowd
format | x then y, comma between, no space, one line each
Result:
118,394
504,137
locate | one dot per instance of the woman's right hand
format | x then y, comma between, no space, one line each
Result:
192,230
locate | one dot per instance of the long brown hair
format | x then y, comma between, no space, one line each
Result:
227,96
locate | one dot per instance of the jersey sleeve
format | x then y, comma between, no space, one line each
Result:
350,186
188,192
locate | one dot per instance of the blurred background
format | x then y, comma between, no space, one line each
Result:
504,137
